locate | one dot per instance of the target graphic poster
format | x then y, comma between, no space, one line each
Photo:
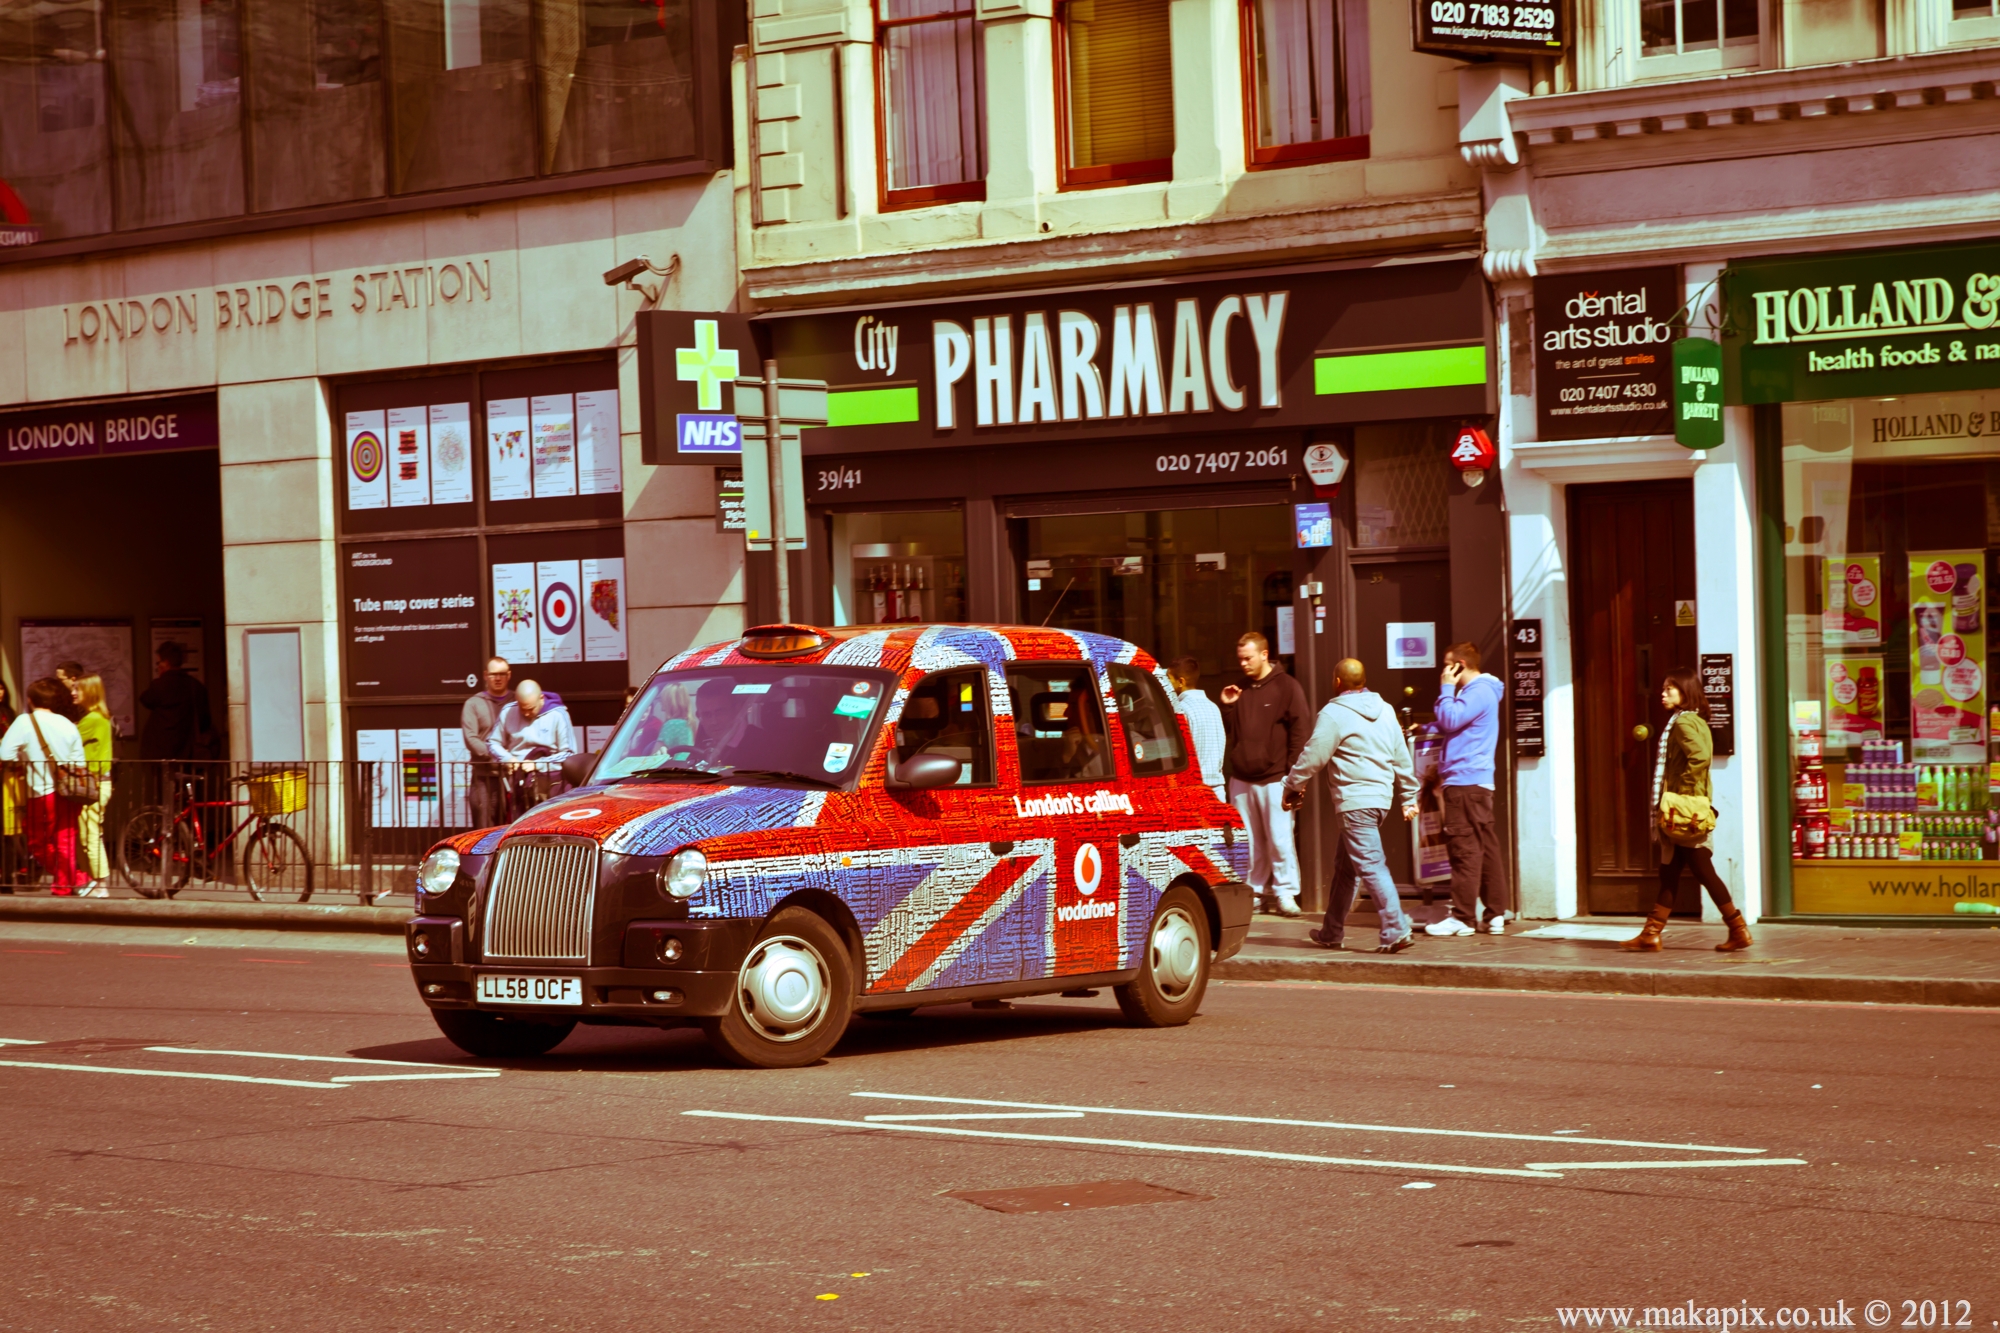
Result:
409,441
451,453
508,474
514,615
367,461
599,467
559,607
603,590
554,420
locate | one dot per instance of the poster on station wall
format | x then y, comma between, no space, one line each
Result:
514,615
553,422
556,600
1853,601
418,776
1853,701
375,751
1948,656
367,462
599,464
409,457
603,590
104,647
450,427
509,471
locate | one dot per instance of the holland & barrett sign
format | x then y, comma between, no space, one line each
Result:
1698,393
1870,324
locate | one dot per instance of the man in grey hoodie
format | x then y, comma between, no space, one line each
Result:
1368,772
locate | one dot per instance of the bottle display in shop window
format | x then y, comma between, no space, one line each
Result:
904,591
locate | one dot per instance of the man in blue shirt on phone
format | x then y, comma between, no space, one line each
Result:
1468,717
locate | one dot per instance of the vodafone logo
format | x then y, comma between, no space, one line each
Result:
1087,870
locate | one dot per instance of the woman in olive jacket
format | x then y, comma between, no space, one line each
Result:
1686,745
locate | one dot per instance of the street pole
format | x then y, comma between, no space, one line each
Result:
774,443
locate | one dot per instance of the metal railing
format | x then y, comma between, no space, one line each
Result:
323,831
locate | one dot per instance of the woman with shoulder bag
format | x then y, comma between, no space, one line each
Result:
1684,813
94,725
47,746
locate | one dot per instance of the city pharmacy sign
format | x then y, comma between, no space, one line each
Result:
1866,325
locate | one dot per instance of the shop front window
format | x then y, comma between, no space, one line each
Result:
1177,582
904,567
1892,530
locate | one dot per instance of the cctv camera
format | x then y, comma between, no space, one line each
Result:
625,272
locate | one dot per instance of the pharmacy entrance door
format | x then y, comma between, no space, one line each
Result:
1632,614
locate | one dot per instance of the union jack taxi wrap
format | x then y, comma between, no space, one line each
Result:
939,894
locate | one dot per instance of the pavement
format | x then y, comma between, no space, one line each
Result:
246,1138
1948,965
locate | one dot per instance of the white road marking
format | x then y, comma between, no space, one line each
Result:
392,1078
20,1041
319,1059
1199,1149
172,1073
1667,1166
1309,1124
993,1115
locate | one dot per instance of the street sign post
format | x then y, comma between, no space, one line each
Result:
769,414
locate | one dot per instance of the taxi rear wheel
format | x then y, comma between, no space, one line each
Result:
1173,973
492,1037
794,995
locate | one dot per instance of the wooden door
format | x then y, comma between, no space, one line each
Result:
1631,557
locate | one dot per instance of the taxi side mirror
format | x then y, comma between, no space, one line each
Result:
921,772
576,768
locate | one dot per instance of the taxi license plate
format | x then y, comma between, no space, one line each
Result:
495,988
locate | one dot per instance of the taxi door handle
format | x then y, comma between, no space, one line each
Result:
1128,840
1001,848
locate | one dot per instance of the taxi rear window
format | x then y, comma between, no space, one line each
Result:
1152,727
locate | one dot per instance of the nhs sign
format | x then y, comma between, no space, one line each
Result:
707,433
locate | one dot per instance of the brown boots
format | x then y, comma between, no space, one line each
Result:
1648,938
1739,932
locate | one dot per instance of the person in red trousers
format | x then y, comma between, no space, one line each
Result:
40,740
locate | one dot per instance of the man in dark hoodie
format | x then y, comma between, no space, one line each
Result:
1266,717
1368,773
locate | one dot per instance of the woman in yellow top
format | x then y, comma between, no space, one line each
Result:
1686,747
94,725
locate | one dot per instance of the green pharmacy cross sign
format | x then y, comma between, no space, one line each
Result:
1698,393
1865,324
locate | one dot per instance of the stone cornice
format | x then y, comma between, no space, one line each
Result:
1420,226
1758,97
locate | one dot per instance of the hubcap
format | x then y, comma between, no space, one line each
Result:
783,987
1176,953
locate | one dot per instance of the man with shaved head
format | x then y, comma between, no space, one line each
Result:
1368,773
530,741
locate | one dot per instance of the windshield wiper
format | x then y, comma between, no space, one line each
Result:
673,771
807,778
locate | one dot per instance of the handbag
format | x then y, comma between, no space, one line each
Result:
1686,821
74,782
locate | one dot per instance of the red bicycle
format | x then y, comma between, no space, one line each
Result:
158,854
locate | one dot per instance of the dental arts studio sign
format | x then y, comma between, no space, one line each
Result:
1871,324
1603,353
1271,348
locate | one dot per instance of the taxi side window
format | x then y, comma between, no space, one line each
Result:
1152,727
946,714
1058,723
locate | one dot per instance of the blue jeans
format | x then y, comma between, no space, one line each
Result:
1357,861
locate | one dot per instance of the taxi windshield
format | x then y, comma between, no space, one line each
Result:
751,723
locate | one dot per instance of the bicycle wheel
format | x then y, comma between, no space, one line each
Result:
275,865
154,856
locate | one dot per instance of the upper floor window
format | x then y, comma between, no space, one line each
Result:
932,78
1116,91
120,115
1308,86
1695,35
1974,21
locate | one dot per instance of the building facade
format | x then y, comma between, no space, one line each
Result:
1817,189
319,361
1155,318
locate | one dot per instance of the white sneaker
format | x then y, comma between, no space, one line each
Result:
1498,925
94,889
1288,905
1451,925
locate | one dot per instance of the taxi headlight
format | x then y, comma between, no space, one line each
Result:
684,873
439,871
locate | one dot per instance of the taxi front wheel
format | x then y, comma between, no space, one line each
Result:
1173,974
794,994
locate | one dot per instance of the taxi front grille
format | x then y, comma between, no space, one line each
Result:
539,905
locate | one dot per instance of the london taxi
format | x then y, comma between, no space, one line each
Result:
802,824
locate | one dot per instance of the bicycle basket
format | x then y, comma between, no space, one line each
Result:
273,794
